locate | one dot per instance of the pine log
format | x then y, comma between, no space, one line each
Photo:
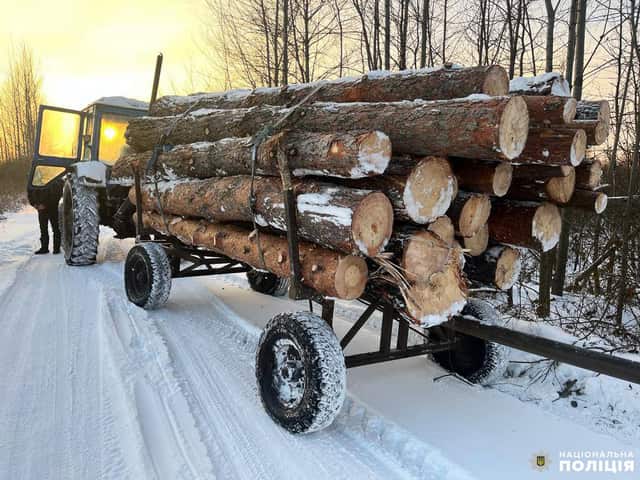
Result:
528,225
588,175
427,84
421,196
595,202
349,220
492,178
329,272
547,111
554,147
347,155
550,83
476,244
471,127
532,172
499,266
594,118
469,212
556,189
443,228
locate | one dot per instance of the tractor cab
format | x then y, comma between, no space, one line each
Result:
65,137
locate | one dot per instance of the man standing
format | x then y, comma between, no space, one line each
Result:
45,200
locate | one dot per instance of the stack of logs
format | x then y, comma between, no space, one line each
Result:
412,184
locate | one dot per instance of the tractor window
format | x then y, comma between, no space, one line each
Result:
59,134
43,174
112,128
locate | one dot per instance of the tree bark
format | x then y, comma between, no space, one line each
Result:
348,155
595,202
556,189
470,128
539,172
353,221
492,178
498,266
431,84
548,111
554,147
331,273
525,224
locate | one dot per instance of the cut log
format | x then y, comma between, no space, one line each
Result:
528,225
443,228
478,243
469,212
347,155
556,189
331,273
350,220
588,175
550,83
499,266
471,127
492,178
589,200
554,147
594,118
421,196
427,84
547,111
532,172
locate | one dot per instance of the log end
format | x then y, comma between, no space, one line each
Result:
604,120
372,223
578,147
496,82
560,189
443,228
424,254
569,111
546,225
374,154
502,178
508,268
434,302
430,189
477,243
514,128
600,205
351,277
474,215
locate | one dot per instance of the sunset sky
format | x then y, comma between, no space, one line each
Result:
89,49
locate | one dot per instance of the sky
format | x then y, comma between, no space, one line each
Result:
89,49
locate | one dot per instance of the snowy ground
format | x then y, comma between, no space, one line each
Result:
93,387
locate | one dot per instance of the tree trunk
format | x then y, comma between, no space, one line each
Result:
548,111
387,34
492,178
556,189
554,147
571,46
331,273
551,22
588,175
544,285
353,221
579,65
470,128
345,155
546,84
525,225
498,266
469,212
595,202
437,84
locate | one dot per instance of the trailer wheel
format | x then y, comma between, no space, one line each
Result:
472,358
300,371
147,275
267,283
79,222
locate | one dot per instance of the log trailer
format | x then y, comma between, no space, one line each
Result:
300,364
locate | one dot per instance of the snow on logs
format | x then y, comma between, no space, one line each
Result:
472,127
529,225
331,273
440,83
350,220
347,155
549,83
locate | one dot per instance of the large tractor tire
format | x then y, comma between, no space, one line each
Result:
147,275
472,358
79,222
301,372
267,283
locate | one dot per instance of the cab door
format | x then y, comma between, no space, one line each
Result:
57,145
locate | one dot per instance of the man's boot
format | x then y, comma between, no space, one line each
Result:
56,243
43,249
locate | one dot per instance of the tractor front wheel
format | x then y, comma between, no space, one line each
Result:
147,275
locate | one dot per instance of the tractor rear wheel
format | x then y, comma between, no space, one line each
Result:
301,372
79,222
267,283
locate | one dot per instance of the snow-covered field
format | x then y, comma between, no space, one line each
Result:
94,387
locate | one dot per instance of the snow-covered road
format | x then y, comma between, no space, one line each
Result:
94,387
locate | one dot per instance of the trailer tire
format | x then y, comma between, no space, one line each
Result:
472,358
79,222
147,275
267,283
300,372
